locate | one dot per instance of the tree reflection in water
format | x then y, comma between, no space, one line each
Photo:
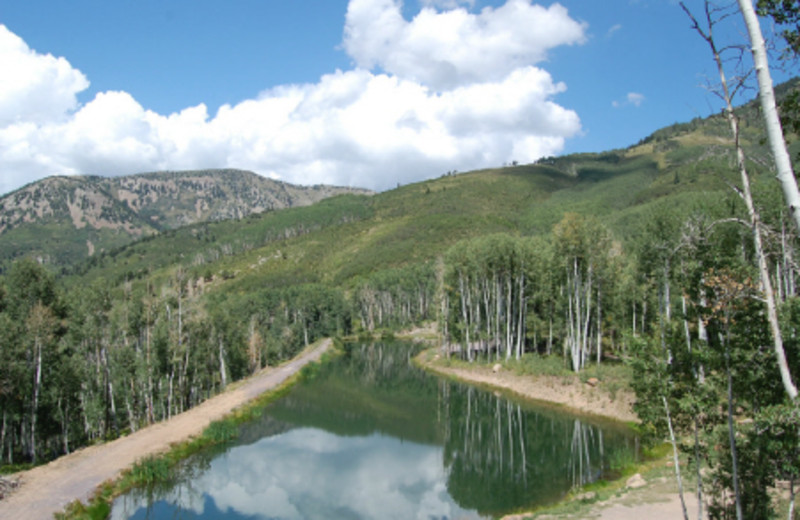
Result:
370,421
503,455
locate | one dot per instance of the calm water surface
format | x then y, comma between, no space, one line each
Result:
369,436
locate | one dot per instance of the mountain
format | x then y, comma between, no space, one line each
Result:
342,240
639,232
65,220
62,220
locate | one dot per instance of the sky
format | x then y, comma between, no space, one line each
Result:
365,93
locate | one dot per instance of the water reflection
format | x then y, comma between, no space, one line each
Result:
370,436
342,477
502,456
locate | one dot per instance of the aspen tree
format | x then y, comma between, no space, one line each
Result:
746,195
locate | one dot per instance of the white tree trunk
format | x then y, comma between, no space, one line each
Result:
509,317
769,109
675,459
585,337
755,219
599,328
521,323
464,312
223,371
766,283
37,383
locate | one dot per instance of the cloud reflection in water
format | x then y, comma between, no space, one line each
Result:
309,473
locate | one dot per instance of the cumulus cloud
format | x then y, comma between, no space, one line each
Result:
455,47
449,89
35,87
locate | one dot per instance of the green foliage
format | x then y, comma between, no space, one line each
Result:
220,432
96,510
645,242
149,471
785,13
396,298
487,281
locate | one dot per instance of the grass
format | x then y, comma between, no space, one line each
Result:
539,365
8,469
98,508
614,376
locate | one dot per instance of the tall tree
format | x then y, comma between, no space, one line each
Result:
41,331
584,248
769,110
745,192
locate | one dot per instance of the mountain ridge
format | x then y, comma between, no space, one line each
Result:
84,214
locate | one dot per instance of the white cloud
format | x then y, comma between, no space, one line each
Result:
635,99
632,98
35,87
454,90
455,47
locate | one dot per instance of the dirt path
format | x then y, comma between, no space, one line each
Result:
47,489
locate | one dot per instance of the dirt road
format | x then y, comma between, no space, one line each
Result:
47,489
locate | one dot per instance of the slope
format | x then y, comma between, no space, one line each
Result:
62,220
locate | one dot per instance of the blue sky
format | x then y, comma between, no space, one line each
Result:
353,92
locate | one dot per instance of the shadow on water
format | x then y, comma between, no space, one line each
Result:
369,435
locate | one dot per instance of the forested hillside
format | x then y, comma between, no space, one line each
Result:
63,220
639,254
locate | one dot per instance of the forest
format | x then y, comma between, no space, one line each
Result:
676,256
680,302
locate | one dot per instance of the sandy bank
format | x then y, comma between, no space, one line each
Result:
570,393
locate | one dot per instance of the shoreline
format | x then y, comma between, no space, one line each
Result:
572,395
656,499
48,489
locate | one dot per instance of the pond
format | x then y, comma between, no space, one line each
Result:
369,435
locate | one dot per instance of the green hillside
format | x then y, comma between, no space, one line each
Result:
63,220
644,254
340,239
